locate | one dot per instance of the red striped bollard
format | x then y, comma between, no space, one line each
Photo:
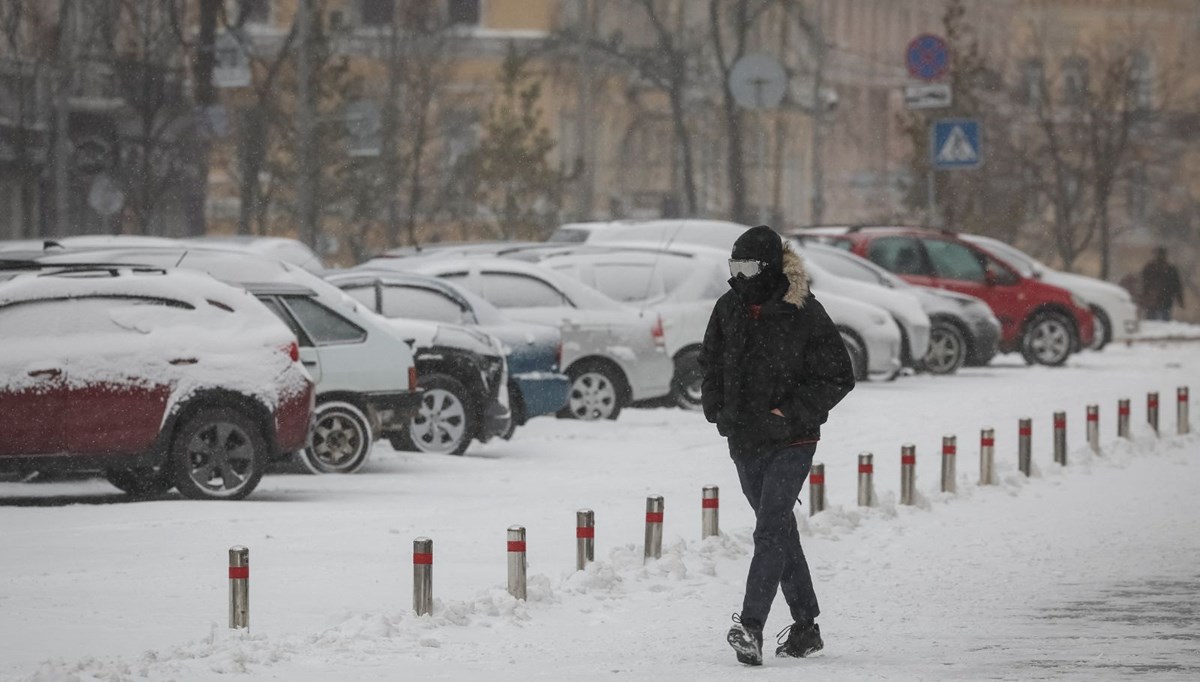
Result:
866,480
585,538
423,576
1093,427
908,473
987,457
1123,418
1152,410
816,489
949,464
239,587
1025,446
710,509
1060,438
1182,424
516,561
654,522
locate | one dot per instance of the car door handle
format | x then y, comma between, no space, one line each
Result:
184,361
45,373
309,363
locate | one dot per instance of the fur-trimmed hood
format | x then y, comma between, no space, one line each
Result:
797,275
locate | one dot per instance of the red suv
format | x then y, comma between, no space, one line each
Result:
158,379
1044,322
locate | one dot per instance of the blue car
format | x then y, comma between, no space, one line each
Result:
536,384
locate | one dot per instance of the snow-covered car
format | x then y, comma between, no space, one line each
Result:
363,366
158,379
613,354
963,328
533,351
1114,312
280,248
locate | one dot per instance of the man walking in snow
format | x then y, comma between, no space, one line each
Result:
774,365
1161,287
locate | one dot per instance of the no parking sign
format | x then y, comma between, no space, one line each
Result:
927,57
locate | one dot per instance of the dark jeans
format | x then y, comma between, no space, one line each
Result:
1162,314
771,482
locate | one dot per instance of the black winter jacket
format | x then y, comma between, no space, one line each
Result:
790,358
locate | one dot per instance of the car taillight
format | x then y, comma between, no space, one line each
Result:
293,351
412,378
657,332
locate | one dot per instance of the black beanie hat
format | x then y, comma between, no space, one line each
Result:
762,244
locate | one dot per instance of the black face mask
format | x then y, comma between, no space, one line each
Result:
757,290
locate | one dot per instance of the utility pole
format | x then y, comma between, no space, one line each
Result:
64,72
817,212
583,118
306,126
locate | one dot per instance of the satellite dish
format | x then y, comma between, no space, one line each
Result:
757,82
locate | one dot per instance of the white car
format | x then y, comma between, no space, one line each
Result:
613,354
1115,314
280,248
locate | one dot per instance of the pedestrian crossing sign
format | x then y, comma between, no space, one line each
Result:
955,144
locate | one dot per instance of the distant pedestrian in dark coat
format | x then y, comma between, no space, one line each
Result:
1161,287
774,365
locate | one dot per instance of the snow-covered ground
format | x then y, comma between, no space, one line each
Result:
1092,572
1153,330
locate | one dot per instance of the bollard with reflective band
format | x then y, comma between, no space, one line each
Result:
1060,438
949,464
816,489
516,561
1123,418
1025,446
710,509
239,587
866,480
1182,423
908,473
1093,427
423,576
987,457
1152,411
654,521
585,538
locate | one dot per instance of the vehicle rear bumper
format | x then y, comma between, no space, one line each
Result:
542,393
985,342
392,411
496,418
293,422
651,377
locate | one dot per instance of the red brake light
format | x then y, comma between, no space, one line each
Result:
657,332
292,350
412,378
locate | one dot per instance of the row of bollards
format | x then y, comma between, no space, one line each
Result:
585,519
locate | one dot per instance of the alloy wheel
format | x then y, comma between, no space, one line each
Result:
220,458
593,396
441,422
337,440
945,351
1050,341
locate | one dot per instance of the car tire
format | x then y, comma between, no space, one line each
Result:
1102,329
686,381
595,392
1048,340
446,421
216,433
858,356
141,481
947,348
341,442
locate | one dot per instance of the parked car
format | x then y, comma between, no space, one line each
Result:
533,351
158,379
1044,323
280,248
963,328
613,354
1115,313
362,363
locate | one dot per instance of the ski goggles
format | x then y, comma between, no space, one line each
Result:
745,268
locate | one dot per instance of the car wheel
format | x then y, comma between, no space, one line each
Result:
1102,329
1048,340
141,481
341,441
595,393
445,422
858,357
687,380
218,454
947,348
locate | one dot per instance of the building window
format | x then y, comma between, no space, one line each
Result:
1075,81
377,12
465,12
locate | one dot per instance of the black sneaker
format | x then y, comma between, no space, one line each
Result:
799,640
746,638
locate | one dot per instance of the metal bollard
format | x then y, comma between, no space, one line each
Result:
1123,418
987,457
949,464
1152,410
423,576
1060,438
866,480
1182,424
654,521
1025,446
710,509
585,538
816,489
516,561
239,587
908,473
1093,427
